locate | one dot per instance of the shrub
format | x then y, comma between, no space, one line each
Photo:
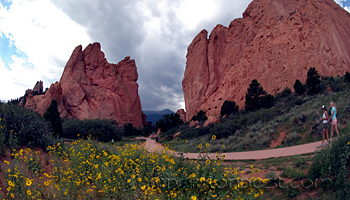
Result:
267,101
130,130
292,173
102,129
228,108
332,162
24,127
53,116
299,162
284,94
299,87
271,175
347,77
201,116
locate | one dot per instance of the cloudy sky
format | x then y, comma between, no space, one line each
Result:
37,38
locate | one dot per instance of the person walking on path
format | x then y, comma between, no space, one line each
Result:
324,119
333,117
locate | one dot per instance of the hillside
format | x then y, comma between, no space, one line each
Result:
294,119
275,42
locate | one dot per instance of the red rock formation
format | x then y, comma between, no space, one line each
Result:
182,114
38,88
90,88
275,42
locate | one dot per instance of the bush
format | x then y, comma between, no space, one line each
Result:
299,87
228,108
130,130
332,162
347,77
102,129
286,93
292,173
201,116
53,116
299,162
24,127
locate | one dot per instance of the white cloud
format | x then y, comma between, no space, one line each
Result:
46,34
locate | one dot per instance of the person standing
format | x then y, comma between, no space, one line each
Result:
334,119
324,119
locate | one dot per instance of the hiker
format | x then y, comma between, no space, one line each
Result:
333,117
324,119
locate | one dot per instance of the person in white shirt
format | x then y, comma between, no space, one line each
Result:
324,119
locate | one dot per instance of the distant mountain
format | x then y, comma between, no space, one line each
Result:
154,116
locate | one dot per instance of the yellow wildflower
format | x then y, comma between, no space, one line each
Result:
213,137
28,182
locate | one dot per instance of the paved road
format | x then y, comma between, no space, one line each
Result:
151,145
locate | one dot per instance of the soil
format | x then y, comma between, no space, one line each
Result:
278,141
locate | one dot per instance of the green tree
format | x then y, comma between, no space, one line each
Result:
169,121
254,95
53,116
201,116
228,108
313,82
347,77
299,87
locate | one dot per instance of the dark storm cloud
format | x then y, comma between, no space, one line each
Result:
151,33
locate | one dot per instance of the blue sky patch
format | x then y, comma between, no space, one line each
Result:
6,4
346,3
7,49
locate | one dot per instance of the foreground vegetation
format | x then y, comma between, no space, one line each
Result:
86,169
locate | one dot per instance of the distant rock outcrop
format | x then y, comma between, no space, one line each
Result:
275,42
38,88
90,88
182,114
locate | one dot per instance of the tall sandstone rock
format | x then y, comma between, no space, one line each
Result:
90,88
275,42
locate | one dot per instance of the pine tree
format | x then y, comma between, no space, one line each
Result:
53,116
313,82
254,96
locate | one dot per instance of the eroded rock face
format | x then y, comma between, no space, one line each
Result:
90,88
275,42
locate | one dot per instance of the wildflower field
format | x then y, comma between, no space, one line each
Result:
86,169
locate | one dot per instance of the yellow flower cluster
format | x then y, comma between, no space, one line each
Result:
86,169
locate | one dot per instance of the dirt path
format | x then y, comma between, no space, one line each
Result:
151,145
